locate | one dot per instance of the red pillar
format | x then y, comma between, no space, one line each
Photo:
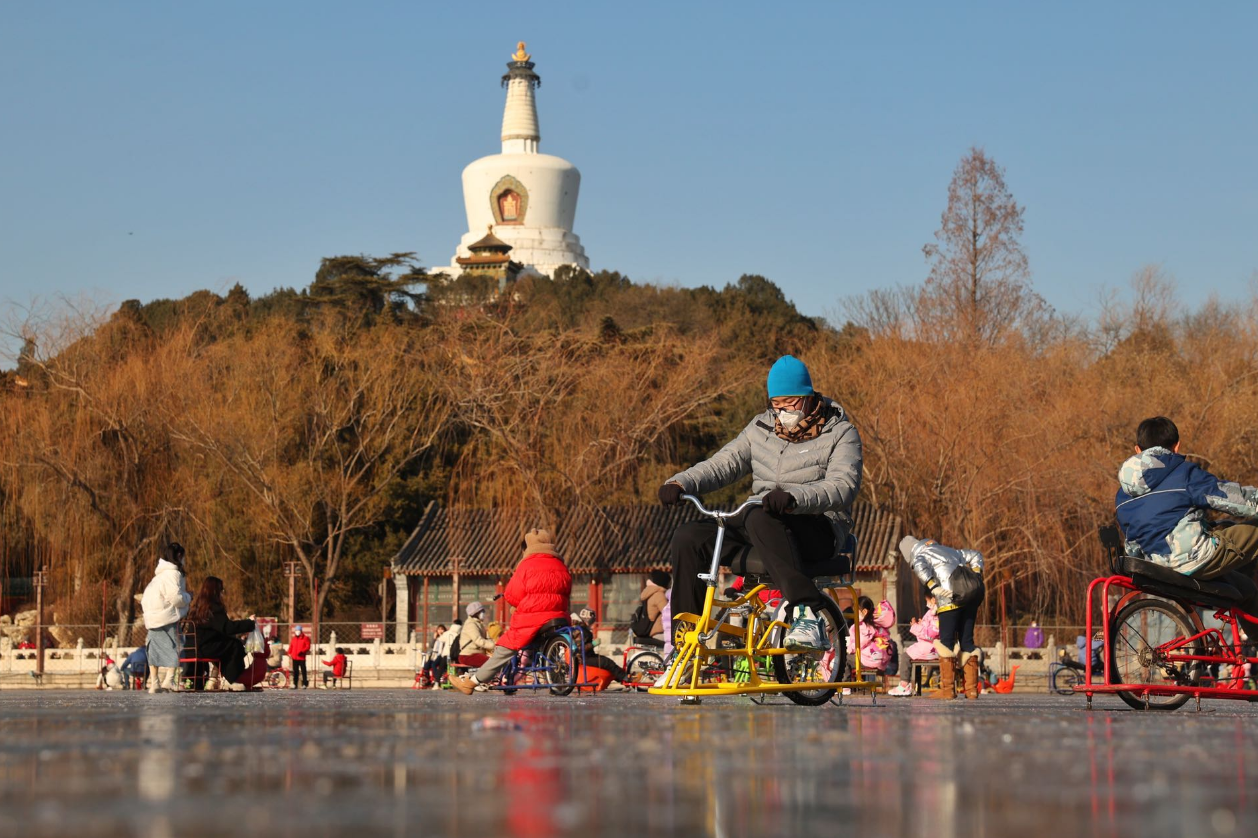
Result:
596,599
500,605
427,644
454,610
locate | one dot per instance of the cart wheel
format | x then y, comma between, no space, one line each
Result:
1066,682
644,668
1141,631
561,666
823,665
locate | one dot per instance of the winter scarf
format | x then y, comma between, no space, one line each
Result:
809,427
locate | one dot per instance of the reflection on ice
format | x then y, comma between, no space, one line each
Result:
399,763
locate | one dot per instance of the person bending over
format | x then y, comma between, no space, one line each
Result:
539,590
1162,505
954,578
804,457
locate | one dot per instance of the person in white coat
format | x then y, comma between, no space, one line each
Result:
165,603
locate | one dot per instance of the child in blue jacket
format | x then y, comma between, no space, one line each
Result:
1162,507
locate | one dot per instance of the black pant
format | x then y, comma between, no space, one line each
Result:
299,672
957,624
603,662
784,544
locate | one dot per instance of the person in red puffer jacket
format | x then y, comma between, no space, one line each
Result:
539,590
338,664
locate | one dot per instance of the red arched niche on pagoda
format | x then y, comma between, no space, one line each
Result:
509,207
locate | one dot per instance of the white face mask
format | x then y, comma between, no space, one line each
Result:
790,418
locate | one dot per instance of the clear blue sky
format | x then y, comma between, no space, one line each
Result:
151,149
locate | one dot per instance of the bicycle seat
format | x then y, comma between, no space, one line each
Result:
551,626
1155,579
747,562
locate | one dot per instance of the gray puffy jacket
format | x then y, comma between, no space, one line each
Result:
822,474
933,562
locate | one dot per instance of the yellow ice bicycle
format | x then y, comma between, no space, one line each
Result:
806,677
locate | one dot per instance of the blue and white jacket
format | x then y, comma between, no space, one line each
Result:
1162,508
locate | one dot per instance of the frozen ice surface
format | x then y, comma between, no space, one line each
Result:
402,762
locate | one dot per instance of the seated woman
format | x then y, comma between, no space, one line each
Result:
216,635
539,589
435,663
475,645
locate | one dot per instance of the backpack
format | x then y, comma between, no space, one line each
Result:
966,586
639,623
452,655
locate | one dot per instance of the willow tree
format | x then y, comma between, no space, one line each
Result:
89,458
571,417
315,422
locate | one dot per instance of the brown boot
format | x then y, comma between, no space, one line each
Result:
969,668
947,679
463,683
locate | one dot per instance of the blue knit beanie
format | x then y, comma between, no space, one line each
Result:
789,377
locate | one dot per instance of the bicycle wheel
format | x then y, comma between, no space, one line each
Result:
822,665
277,680
643,669
1066,682
1138,640
560,665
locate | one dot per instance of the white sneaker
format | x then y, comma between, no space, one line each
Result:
236,688
661,681
616,687
904,689
806,632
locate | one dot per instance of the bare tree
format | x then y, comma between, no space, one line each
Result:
979,279
567,418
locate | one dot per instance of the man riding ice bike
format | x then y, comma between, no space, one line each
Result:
804,457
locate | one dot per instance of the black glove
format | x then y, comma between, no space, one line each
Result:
670,494
778,501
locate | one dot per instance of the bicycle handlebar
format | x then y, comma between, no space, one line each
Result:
712,513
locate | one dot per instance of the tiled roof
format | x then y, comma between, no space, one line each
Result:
489,242
609,539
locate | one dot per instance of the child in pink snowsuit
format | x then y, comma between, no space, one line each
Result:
875,638
926,630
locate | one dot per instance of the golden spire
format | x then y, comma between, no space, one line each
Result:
520,54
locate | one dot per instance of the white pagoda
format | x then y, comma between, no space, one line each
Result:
527,199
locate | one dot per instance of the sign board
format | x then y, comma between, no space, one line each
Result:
269,626
372,631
